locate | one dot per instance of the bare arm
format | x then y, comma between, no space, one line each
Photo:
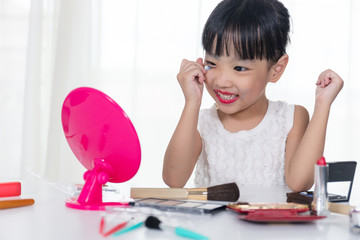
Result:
306,143
185,144
183,149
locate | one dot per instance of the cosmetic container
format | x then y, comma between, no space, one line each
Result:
320,201
355,221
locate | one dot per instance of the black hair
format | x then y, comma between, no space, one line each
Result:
253,29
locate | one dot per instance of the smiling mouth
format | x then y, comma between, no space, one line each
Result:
226,97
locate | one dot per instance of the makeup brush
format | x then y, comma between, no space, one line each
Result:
154,223
226,192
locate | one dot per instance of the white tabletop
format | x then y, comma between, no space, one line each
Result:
49,218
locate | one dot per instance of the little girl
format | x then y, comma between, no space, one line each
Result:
245,137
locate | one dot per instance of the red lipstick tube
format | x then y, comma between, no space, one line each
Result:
320,201
10,189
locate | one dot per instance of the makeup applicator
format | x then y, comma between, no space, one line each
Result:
154,223
225,192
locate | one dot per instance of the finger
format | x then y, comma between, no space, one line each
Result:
327,81
319,82
183,64
329,74
192,70
200,61
195,69
201,78
325,78
187,65
320,78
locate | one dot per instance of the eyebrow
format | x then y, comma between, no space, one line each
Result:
212,56
234,59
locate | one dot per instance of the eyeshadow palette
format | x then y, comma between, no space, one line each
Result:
273,212
197,207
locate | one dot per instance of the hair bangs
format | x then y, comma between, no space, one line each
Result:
244,41
244,29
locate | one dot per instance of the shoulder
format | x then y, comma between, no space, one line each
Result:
280,106
298,111
282,109
301,121
281,113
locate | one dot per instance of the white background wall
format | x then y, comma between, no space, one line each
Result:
135,50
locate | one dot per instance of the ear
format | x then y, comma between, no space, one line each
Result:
278,68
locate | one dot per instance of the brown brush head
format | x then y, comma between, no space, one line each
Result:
226,192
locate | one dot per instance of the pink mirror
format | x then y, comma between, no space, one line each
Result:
103,139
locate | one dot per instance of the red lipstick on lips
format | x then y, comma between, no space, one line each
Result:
226,101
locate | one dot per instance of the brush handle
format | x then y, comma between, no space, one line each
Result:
169,193
165,193
16,203
198,193
189,234
340,208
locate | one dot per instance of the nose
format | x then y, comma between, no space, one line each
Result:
221,79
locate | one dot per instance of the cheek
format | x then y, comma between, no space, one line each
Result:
243,94
246,87
208,86
208,81
250,89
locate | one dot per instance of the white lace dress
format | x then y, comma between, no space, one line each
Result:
248,157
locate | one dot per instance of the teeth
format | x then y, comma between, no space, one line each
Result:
226,96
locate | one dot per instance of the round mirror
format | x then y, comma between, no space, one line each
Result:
103,139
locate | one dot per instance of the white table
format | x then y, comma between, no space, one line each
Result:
48,218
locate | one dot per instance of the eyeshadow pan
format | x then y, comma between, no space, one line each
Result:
194,207
190,204
208,206
151,200
170,203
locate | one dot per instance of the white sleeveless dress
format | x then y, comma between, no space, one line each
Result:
248,157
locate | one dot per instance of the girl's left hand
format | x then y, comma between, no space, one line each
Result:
329,85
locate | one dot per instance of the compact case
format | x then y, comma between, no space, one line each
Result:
184,206
273,212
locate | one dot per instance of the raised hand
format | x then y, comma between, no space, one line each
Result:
191,78
329,84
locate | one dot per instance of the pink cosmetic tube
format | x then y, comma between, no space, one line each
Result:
10,189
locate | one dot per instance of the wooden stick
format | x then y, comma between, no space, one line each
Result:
16,203
166,193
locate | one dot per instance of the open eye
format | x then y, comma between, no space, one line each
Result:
240,69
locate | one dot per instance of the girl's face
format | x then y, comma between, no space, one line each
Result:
236,84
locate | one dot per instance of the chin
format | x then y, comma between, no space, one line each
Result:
227,109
